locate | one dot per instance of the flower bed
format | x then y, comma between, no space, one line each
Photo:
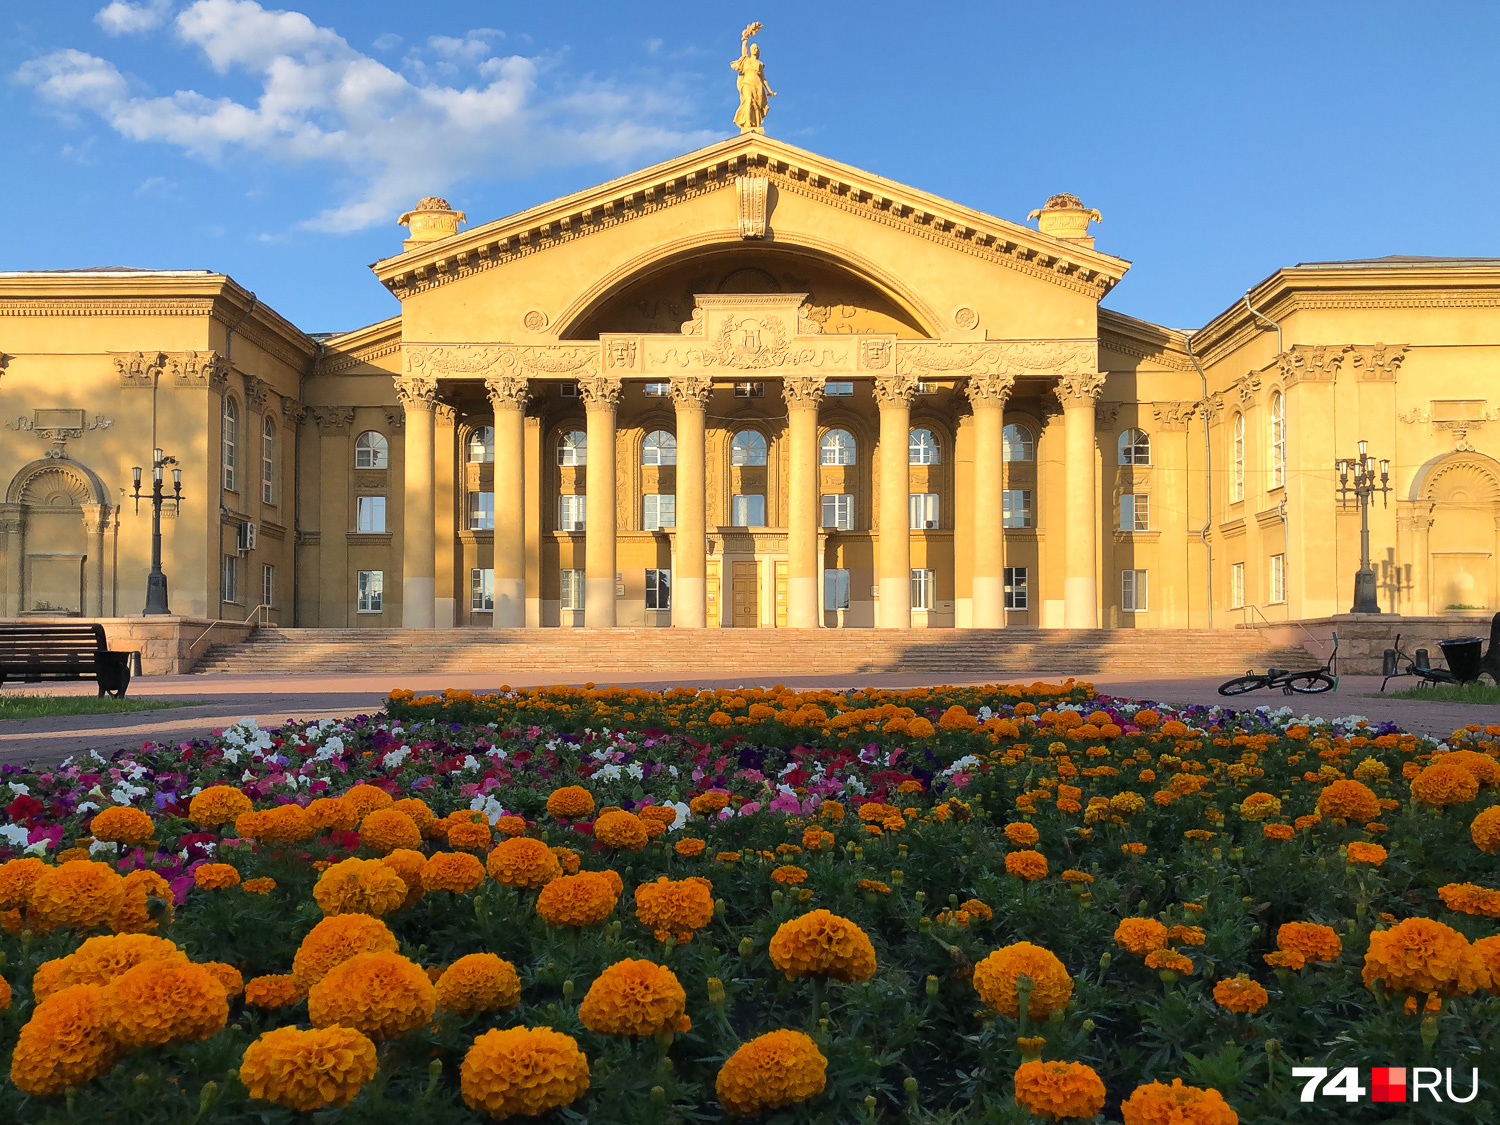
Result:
947,905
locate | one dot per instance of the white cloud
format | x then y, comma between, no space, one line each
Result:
122,18
387,42
390,136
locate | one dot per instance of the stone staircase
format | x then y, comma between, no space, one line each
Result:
573,655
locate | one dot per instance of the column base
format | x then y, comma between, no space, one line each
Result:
510,604
1080,603
988,602
801,603
599,602
895,603
418,603
688,609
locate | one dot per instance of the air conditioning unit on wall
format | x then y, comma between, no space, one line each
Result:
246,538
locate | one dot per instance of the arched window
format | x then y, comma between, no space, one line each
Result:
1017,444
482,445
1278,440
372,451
748,447
838,448
231,440
922,448
268,460
659,448
1135,448
573,448
1238,485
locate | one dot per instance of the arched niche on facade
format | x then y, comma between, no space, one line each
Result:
655,294
1461,494
56,515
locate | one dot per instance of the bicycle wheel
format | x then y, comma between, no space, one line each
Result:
1311,683
1240,685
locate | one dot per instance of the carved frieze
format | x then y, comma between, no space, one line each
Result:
199,369
435,361
1377,362
139,369
1014,357
59,426
1176,415
256,392
876,354
333,420
1312,363
620,355
752,343
395,417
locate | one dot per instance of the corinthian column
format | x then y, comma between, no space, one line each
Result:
1078,393
894,394
690,395
987,396
802,394
508,396
418,396
601,396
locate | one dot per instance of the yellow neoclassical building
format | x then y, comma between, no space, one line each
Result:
753,387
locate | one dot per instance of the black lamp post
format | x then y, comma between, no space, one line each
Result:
1357,481
156,583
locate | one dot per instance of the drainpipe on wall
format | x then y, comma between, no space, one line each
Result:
223,511
1286,538
1208,478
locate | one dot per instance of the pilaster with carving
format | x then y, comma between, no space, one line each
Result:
802,392
600,392
395,417
1082,389
293,411
1377,362
1313,363
417,392
333,420
895,390
692,390
200,369
508,392
1173,415
139,369
256,392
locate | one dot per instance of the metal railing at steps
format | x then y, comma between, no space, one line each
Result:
258,615
1269,624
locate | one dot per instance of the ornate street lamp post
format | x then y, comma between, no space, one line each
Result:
156,583
1357,481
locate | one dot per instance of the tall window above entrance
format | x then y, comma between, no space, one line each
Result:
923,448
838,448
748,447
573,448
482,446
659,448
1017,444
371,451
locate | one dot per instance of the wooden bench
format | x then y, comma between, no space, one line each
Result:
60,651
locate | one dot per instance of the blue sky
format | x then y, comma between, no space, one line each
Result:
279,145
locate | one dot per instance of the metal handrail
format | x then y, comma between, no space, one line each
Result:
1272,624
258,612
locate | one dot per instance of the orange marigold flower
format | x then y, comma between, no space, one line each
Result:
1420,955
1022,834
217,805
523,1070
469,835
164,1001
1281,832
216,876
636,998
1485,769
262,885
823,944
689,847
1240,994
1169,960
274,991
976,909
385,830
1159,1104
1133,848
773,1070
1146,718
1259,806
79,895
227,975
381,994
873,887
17,877
578,900
710,802
72,1017
359,886
1073,875
148,903
1488,949
522,861
478,982
568,859
831,810
100,960
511,825
1349,800
458,872
365,799
1027,865
995,980
281,824
664,815
571,802
1441,785
667,907
620,829
1470,898
790,873
332,814
4,994
1361,852
1186,935
416,808
1312,941
1174,728
308,1070
122,824
1140,935
728,857
336,939
1484,830
1058,1090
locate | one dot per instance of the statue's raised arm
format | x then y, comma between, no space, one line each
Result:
755,95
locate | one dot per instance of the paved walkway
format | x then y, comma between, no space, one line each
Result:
213,702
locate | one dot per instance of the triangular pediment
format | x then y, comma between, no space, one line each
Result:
715,168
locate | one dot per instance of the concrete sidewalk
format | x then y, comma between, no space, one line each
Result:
213,702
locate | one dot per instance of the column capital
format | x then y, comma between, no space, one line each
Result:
600,392
508,392
895,390
802,392
1079,390
989,390
333,419
417,392
692,391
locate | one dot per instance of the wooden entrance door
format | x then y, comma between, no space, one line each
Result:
746,595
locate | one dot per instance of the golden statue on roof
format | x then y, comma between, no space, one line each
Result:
755,95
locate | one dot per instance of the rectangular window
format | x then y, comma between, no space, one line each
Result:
927,388
658,589
924,509
481,511
838,510
660,511
567,390
923,589
1133,591
572,589
229,579
482,589
371,591
1015,588
1278,578
1135,512
835,589
748,511
658,390
1237,585
1015,507
838,390
369,513
572,512
268,585
749,390
268,465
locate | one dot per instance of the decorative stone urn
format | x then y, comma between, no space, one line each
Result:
432,220
1065,216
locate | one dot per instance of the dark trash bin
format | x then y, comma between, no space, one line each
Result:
1465,657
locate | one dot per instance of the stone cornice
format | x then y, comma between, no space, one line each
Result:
1140,339
360,345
